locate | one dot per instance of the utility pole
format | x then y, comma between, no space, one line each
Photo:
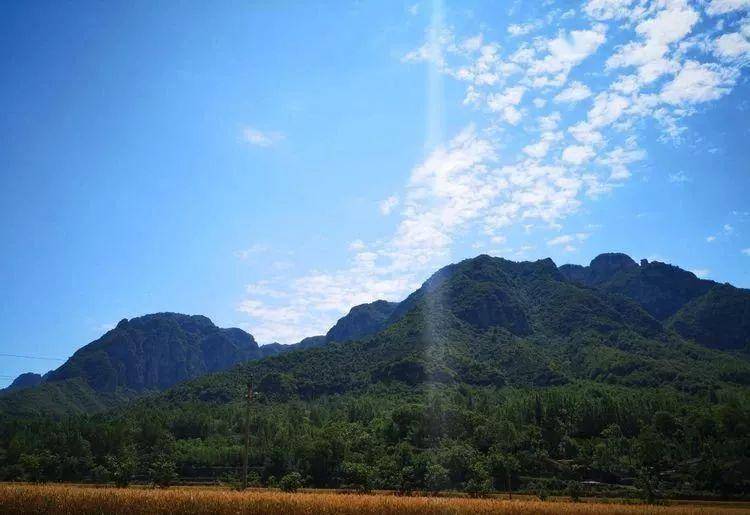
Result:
247,434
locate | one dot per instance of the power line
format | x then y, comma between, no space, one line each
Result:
31,357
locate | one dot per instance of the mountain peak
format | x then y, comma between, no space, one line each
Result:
155,351
25,380
361,321
601,269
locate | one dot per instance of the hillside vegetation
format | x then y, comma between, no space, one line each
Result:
494,375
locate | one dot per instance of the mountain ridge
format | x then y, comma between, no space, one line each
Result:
480,294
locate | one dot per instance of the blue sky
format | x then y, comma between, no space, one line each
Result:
271,164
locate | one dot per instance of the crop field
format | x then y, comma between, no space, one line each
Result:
69,499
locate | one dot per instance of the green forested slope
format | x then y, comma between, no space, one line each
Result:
493,371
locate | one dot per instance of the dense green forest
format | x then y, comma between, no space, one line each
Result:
434,437
493,376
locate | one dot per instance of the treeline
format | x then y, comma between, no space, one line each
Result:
432,438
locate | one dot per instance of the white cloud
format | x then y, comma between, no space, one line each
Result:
679,177
512,115
668,26
282,265
575,92
732,46
607,108
387,205
259,138
450,189
701,272
585,133
509,97
564,52
577,154
746,251
479,184
618,160
549,123
566,241
357,245
607,9
697,82
521,29
253,250
537,150
717,7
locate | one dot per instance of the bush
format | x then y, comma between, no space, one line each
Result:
121,469
478,487
99,474
436,478
575,491
358,476
291,482
647,481
162,472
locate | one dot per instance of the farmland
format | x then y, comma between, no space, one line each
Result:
68,499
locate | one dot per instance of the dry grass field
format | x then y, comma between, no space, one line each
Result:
69,499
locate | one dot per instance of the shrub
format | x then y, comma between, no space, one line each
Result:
478,487
358,476
100,474
291,482
162,472
575,491
121,469
436,478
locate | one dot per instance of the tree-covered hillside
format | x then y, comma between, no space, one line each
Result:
492,375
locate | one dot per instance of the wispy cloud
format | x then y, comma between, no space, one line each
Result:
249,252
387,205
575,92
260,138
648,64
726,231
702,273
679,177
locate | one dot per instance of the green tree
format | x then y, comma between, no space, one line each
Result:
121,469
162,471
358,476
436,478
502,467
291,482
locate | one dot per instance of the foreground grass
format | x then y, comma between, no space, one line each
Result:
69,499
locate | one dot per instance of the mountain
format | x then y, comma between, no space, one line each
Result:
489,321
601,269
25,380
143,354
156,351
719,319
712,314
153,352
362,321
492,372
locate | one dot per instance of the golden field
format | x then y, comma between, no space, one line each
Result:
25,498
